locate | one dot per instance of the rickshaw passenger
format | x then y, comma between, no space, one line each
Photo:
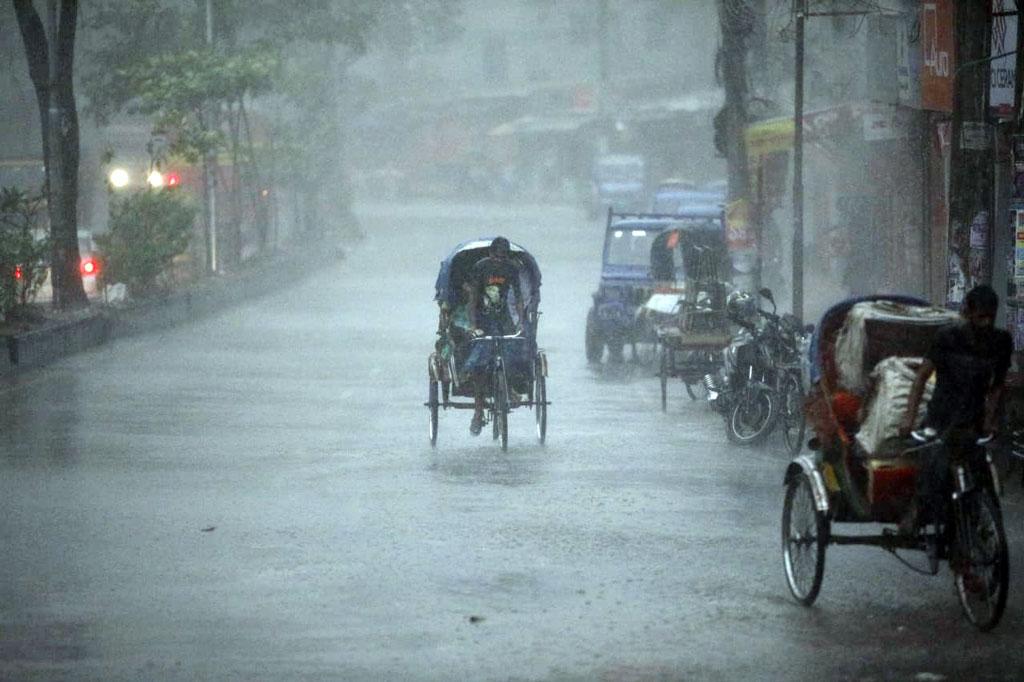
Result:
970,360
490,281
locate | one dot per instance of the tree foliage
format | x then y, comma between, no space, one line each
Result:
24,248
148,228
177,89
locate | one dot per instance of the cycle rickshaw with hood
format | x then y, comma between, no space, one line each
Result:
864,355
516,368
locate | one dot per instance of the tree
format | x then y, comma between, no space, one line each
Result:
23,250
148,229
150,56
51,66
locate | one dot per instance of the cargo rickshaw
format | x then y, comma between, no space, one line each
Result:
517,368
863,356
687,307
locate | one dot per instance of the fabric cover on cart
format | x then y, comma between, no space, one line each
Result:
893,378
516,354
874,329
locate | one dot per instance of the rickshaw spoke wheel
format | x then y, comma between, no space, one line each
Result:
981,574
433,405
540,408
501,409
794,423
804,537
663,362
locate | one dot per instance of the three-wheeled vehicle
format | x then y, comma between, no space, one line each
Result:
516,368
864,355
688,303
615,320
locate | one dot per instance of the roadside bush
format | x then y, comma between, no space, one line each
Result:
24,248
148,229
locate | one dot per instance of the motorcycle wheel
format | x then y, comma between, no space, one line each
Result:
750,419
804,539
794,422
981,571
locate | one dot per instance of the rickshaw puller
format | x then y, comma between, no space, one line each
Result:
490,281
970,361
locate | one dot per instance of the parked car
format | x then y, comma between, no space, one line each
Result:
90,265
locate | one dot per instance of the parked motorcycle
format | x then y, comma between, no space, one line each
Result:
761,385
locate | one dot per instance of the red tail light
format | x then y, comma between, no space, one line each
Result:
173,179
17,272
90,266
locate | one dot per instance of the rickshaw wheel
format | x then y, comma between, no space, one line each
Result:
794,423
500,421
804,538
594,346
663,375
540,407
981,574
433,404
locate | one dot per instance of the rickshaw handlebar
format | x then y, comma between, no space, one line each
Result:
927,434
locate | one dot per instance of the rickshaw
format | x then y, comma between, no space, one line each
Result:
688,303
517,367
860,471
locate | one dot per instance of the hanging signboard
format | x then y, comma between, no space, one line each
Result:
1003,67
1018,251
938,57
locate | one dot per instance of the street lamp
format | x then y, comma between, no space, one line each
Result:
119,178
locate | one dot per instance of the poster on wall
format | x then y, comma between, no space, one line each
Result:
1003,64
1018,250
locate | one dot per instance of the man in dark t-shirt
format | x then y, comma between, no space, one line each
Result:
491,280
970,360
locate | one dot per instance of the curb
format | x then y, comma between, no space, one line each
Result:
106,323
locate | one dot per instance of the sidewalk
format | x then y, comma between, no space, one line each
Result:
63,333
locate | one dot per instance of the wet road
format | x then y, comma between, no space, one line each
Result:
253,497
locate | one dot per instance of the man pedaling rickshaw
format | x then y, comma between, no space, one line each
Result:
489,282
970,361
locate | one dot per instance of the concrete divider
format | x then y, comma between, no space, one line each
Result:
104,323
37,348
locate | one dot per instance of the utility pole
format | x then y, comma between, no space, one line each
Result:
603,118
971,181
737,22
209,168
55,162
800,7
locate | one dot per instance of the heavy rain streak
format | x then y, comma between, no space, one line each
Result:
521,340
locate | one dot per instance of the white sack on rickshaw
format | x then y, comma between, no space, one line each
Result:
852,340
893,378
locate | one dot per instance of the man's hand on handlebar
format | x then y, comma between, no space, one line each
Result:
477,333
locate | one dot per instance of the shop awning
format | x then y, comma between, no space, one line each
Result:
537,125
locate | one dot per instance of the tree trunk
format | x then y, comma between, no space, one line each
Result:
971,178
60,150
